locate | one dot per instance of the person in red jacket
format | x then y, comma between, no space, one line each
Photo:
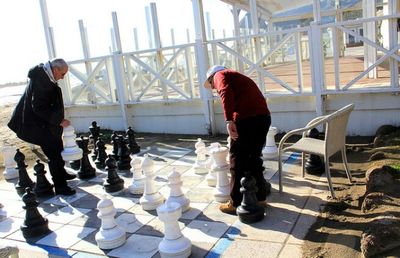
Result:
247,121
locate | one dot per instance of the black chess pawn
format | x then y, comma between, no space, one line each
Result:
124,159
314,164
24,180
34,224
94,136
101,155
249,211
113,182
86,171
114,142
76,164
43,186
133,146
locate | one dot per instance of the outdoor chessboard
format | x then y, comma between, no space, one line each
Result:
73,219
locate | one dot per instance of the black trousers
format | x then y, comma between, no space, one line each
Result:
52,146
245,155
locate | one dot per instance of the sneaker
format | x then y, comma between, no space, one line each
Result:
65,191
262,204
69,176
228,208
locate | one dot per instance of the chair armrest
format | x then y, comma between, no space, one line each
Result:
312,124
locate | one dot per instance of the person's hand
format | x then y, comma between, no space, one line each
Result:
231,128
65,123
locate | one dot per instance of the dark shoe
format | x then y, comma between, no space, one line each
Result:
69,176
228,208
65,191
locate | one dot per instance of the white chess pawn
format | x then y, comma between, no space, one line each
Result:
110,235
221,168
174,243
201,159
151,198
176,194
71,151
137,186
211,176
10,165
270,151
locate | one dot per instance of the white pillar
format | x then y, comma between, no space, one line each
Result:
47,30
235,13
369,11
393,39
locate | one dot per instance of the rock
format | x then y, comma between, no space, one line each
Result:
377,156
378,177
373,200
381,235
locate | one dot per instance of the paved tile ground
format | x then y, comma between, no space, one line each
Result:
73,220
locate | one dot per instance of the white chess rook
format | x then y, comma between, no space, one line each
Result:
71,151
110,234
270,150
200,164
151,198
10,171
137,186
176,194
174,243
221,168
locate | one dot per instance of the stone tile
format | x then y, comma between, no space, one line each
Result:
199,194
122,204
20,237
89,219
36,251
252,249
67,214
195,209
61,200
88,201
66,236
131,222
137,246
9,226
156,227
291,250
88,244
205,231
212,213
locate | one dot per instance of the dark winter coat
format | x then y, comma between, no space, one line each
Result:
40,109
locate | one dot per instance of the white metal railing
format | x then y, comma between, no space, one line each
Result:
170,73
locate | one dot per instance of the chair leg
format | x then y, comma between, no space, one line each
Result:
328,176
346,167
303,161
280,171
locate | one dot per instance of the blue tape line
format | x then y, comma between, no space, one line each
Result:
54,250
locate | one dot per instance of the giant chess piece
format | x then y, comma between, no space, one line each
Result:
10,171
114,142
94,135
133,146
24,180
71,151
174,243
137,186
43,186
113,182
249,211
270,151
101,154
76,164
175,190
86,171
110,234
314,164
34,224
124,159
151,198
221,168
211,177
200,166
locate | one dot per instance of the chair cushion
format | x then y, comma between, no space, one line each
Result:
308,145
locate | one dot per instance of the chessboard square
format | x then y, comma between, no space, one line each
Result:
88,244
67,214
137,246
18,235
9,194
11,208
156,228
66,236
199,194
253,249
100,178
212,213
88,201
176,154
90,219
195,209
131,222
92,187
184,161
62,200
123,204
205,231
9,226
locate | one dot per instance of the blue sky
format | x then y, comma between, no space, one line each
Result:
23,45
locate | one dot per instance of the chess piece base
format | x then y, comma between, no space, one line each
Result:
270,153
72,154
151,201
29,231
115,187
211,179
86,174
137,187
110,238
177,248
221,194
251,214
